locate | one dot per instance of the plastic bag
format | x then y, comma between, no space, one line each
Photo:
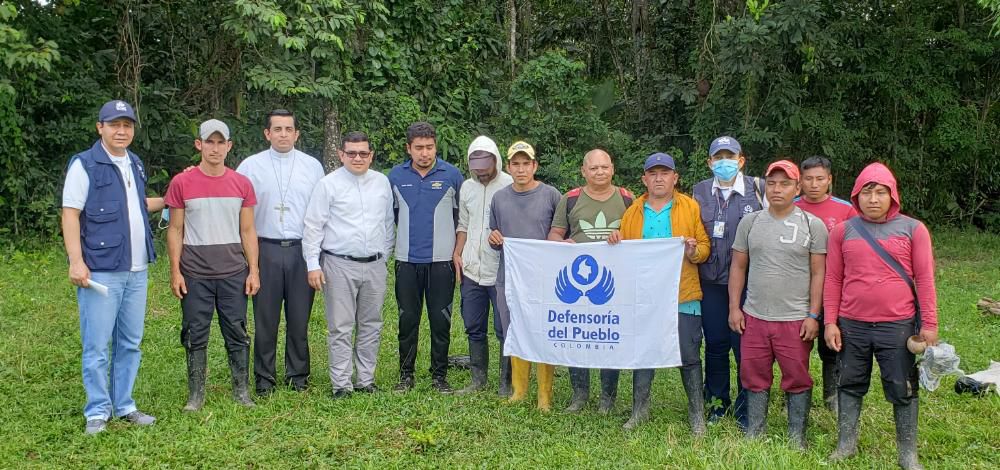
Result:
938,361
990,376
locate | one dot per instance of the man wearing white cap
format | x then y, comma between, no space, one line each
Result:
478,261
283,178
105,226
212,246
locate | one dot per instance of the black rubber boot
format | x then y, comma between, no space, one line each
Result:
642,380
798,417
238,361
609,390
906,435
691,377
580,379
848,413
757,413
479,354
831,374
197,364
504,390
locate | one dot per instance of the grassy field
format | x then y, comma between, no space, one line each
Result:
41,396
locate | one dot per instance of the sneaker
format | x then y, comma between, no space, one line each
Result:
95,426
341,393
139,418
371,388
405,384
441,385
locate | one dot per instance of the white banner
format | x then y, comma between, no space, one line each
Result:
594,305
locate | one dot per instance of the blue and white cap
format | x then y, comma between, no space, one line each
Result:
115,109
724,143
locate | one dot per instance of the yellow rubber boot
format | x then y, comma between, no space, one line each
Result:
519,372
545,374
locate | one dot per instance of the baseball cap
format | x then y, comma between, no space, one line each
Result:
521,147
724,143
788,167
481,160
212,126
659,159
115,109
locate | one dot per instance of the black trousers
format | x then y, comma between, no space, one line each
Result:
886,341
415,284
283,282
205,297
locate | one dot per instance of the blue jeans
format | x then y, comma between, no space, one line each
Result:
116,319
476,301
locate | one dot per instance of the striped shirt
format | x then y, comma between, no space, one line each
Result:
211,204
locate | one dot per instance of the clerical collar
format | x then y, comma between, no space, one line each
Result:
278,154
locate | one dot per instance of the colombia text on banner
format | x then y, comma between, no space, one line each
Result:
592,304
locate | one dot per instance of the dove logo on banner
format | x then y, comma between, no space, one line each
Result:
571,283
593,304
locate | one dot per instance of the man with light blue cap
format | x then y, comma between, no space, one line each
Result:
724,199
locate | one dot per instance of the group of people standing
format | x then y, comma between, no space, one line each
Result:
770,265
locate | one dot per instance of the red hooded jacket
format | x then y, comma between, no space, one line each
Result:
859,285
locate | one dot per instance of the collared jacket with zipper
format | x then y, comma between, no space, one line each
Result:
479,261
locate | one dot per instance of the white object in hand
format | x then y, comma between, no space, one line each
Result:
98,287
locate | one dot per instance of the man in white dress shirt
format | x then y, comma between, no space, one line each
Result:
283,178
349,220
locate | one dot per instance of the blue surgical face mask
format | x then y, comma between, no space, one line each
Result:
164,218
726,169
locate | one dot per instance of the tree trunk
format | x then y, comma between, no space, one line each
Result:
331,137
512,35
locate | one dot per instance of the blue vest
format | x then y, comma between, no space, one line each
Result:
715,270
105,236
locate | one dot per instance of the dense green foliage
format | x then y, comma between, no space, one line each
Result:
914,83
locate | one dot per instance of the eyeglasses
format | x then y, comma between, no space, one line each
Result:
361,155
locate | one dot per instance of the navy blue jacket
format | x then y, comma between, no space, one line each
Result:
105,237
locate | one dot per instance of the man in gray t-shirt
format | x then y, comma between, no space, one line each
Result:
522,210
785,249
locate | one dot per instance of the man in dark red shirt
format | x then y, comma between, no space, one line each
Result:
816,199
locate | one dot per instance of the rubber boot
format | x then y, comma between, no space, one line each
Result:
580,380
642,380
848,413
757,413
609,390
238,361
692,379
798,405
479,359
520,371
197,363
546,373
831,374
906,434
504,390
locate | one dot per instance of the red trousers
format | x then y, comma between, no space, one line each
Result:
764,341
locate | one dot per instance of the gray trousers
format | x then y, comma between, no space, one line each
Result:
353,296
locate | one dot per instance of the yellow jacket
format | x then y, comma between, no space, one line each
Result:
685,221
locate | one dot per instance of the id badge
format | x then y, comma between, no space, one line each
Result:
719,229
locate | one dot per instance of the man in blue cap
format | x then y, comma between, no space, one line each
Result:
105,225
725,199
664,212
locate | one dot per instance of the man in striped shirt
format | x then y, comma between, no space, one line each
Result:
212,245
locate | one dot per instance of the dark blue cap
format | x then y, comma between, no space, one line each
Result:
115,109
659,159
724,143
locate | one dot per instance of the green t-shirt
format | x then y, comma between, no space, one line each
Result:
591,220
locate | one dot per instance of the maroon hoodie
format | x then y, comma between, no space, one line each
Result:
859,285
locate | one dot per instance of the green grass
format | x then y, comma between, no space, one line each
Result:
41,396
